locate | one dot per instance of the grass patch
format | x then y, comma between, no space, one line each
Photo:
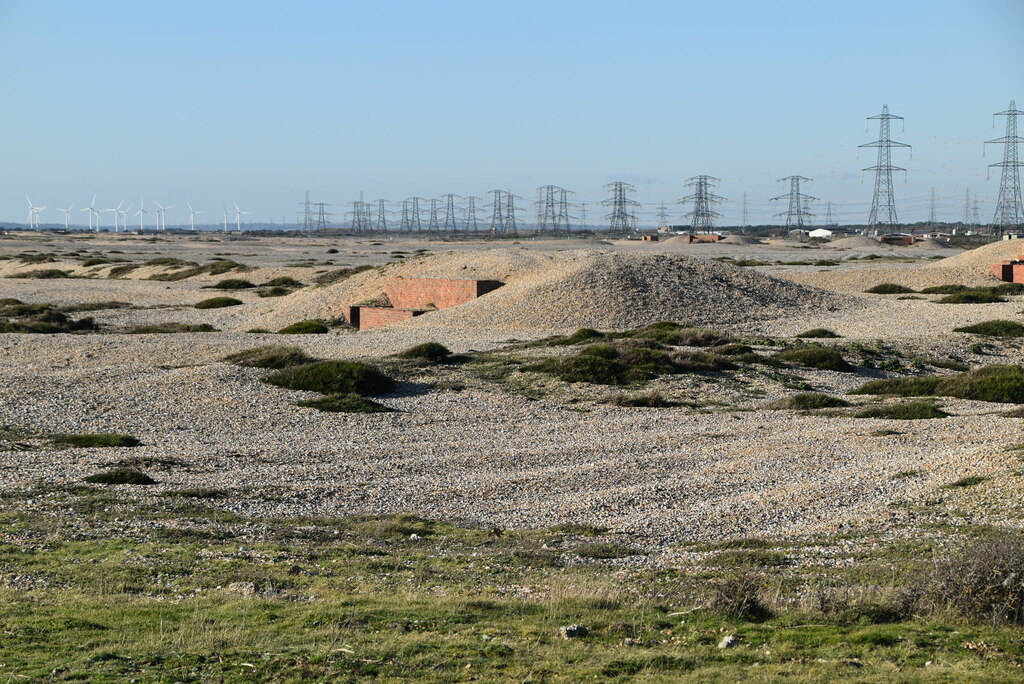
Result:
907,474
431,352
40,319
909,410
581,336
807,401
216,267
606,550
283,281
972,297
641,400
965,482
814,333
96,440
999,384
273,357
42,274
218,303
122,270
273,291
333,377
345,403
579,529
997,328
820,358
310,327
748,558
170,328
121,476
196,493
889,288
338,275
232,284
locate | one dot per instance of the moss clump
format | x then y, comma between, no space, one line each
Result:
910,410
170,328
820,358
233,284
972,297
121,476
814,333
346,403
999,384
889,288
431,352
274,357
96,440
997,328
283,281
218,303
333,377
807,401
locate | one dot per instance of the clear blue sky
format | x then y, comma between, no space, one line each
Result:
256,102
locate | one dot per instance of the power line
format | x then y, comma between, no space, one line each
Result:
797,214
702,218
883,204
450,224
382,215
622,218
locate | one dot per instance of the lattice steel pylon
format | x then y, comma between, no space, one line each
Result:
547,208
360,216
404,223
702,218
323,217
414,213
432,225
662,216
1009,209
306,214
797,214
450,223
382,216
472,224
622,217
883,203
498,222
510,211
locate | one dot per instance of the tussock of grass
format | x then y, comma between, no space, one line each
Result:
96,440
283,281
997,328
171,328
746,558
814,333
910,410
579,529
340,274
732,349
310,327
218,303
820,358
642,400
121,476
972,297
432,352
807,401
274,291
345,403
40,319
1000,384
216,267
274,357
196,493
587,368
122,270
965,482
387,527
889,288
333,377
667,332
42,274
232,284
581,336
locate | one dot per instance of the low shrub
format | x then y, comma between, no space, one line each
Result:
981,580
665,332
432,352
96,440
215,267
42,274
701,337
345,403
900,387
820,358
807,401
274,357
972,297
965,482
732,349
739,596
643,400
889,288
818,333
274,291
944,289
340,274
333,377
121,476
283,281
997,328
1000,384
579,529
910,410
232,284
586,368
581,336
218,303
1008,289
170,328
310,327
700,362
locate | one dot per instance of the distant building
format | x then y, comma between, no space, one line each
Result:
823,233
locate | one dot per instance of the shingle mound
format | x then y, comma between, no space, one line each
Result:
980,259
858,242
741,240
563,291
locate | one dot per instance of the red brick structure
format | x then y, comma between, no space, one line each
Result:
897,240
650,238
436,293
1010,271
704,238
411,297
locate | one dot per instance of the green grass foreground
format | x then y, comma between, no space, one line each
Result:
205,595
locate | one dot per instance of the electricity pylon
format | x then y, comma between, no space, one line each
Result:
1009,210
797,214
883,204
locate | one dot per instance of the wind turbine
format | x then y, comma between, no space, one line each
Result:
225,219
124,216
140,212
238,217
33,214
115,211
66,212
92,212
161,215
192,215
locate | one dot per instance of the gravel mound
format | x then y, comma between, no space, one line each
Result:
930,243
982,258
741,240
558,291
857,242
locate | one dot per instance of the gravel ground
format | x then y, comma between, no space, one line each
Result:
483,455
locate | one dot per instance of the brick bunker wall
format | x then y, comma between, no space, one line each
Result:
424,293
379,316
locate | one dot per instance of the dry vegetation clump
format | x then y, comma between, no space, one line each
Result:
972,297
16,317
889,288
215,267
121,476
333,377
997,328
814,333
909,410
641,400
820,358
1000,384
310,327
170,328
808,401
430,352
338,275
345,403
218,303
231,284
42,274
